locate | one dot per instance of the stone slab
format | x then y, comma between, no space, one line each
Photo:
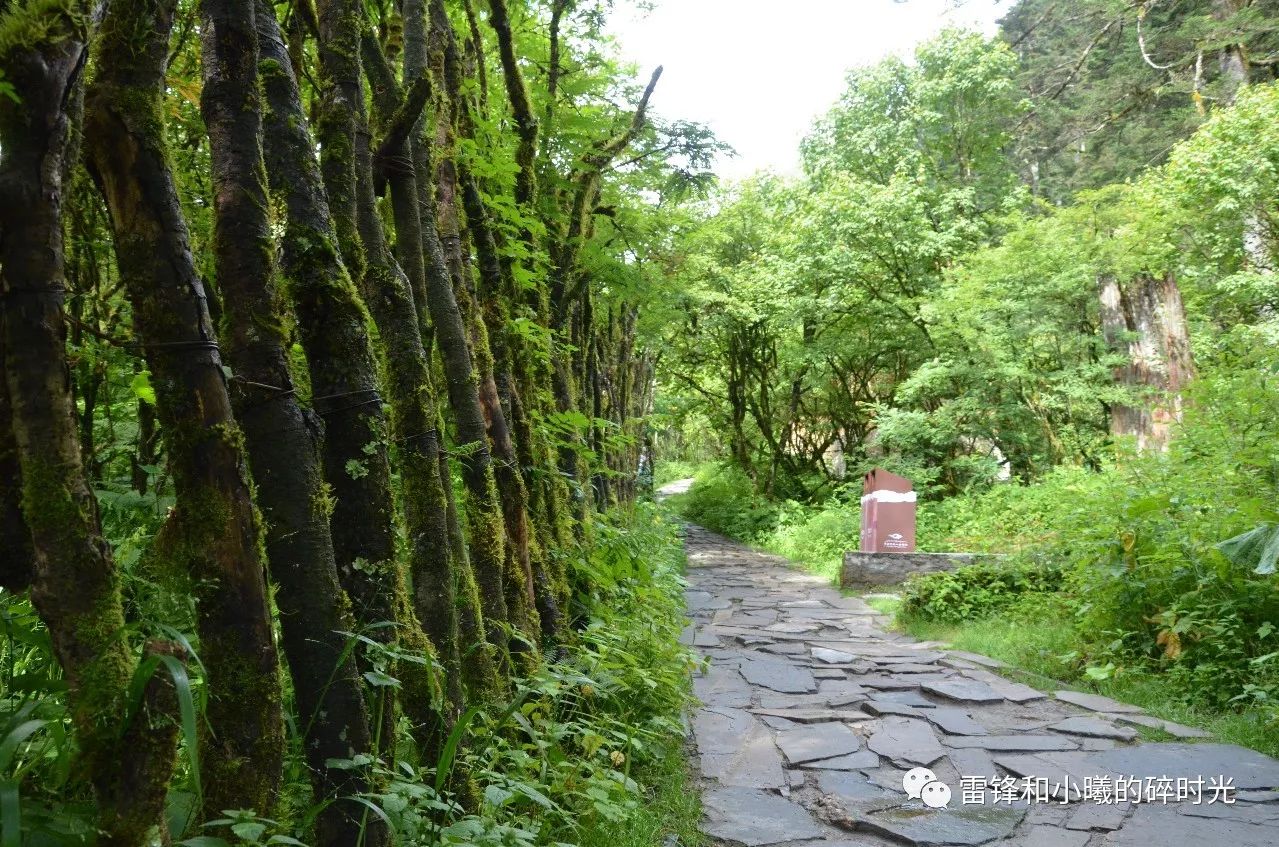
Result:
807,716
963,691
1098,817
1161,826
876,569
817,741
1026,743
861,760
960,825
1093,728
953,721
778,674
1249,769
831,657
1174,729
755,818
720,686
1095,702
887,707
906,740
1048,836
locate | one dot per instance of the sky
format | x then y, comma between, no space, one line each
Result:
759,72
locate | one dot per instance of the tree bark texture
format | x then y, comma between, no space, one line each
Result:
1146,320
342,366
442,242
58,543
282,438
214,531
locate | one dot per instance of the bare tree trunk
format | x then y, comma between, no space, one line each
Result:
1232,59
1147,320
58,541
214,531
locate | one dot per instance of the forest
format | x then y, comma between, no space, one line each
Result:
1035,274
342,343
322,404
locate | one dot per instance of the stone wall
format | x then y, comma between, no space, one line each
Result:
862,569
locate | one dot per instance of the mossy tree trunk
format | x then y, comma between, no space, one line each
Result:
282,437
58,541
213,530
401,318
503,587
348,171
341,364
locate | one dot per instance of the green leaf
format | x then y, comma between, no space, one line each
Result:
20,733
496,796
140,385
10,815
1257,548
250,831
381,680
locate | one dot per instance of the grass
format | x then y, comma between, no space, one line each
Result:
1033,644
671,811
885,604
671,808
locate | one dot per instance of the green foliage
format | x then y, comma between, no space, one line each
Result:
724,500
974,591
571,757
1165,555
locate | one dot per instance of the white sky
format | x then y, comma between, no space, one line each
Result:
760,71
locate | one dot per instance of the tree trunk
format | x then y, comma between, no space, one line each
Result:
58,542
17,566
1147,321
282,438
214,530
485,526
524,551
390,300
401,320
340,359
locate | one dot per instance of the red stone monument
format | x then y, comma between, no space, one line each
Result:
888,513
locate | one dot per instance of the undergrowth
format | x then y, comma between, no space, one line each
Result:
588,750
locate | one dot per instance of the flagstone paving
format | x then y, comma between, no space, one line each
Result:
812,712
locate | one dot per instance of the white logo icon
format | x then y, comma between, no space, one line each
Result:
915,780
936,795
896,536
922,784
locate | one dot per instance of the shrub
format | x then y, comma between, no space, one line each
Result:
723,500
975,591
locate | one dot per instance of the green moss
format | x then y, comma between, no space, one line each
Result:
41,23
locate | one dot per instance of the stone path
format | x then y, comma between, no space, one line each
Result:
812,714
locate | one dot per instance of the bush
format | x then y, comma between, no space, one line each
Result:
723,500
1139,543
975,591
817,537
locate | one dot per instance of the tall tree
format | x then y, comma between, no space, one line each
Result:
214,531
58,545
282,437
